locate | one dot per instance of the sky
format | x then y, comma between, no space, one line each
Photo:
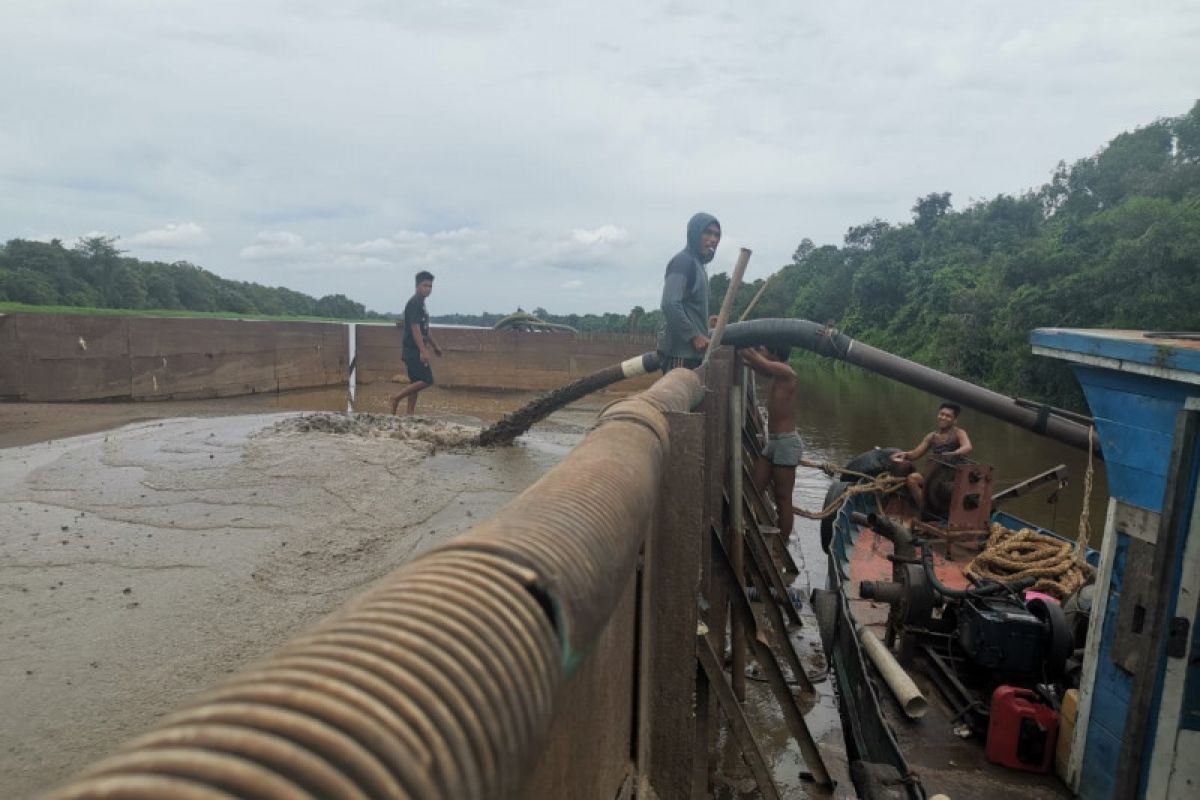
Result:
547,154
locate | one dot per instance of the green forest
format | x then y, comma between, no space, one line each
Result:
95,274
1110,241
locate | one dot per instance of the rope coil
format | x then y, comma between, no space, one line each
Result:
1013,555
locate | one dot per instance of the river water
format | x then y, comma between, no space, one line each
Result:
842,411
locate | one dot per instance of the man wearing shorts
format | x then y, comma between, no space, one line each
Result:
777,464
416,344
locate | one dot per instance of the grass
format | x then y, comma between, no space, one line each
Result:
23,308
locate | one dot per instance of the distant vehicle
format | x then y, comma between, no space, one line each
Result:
522,321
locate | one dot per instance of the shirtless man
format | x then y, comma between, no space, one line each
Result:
779,458
948,444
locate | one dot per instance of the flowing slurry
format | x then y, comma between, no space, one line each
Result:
142,565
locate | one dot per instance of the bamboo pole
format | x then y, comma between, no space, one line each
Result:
735,283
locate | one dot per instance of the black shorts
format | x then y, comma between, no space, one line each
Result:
418,370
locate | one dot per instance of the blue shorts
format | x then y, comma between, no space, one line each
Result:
418,370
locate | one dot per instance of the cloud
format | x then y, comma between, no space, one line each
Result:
274,245
514,148
185,234
575,284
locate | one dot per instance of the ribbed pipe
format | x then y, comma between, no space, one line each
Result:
440,681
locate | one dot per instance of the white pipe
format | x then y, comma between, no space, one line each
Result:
907,693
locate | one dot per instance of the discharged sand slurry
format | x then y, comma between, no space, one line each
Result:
142,565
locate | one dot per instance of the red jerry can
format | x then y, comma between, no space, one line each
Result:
1023,731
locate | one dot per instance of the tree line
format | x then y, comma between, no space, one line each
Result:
95,274
1110,241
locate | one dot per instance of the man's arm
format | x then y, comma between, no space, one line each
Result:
916,452
419,338
764,366
436,347
672,307
964,444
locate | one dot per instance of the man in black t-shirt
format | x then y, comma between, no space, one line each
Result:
416,337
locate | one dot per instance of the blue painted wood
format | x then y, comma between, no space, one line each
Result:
1135,420
1102,748
1149,352
1110,695
1136,416
1134,486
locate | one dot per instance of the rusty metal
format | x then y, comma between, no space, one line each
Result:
581,523
761,557
765,657
737,423
439,682
738,725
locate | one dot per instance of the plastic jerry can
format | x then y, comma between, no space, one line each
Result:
1023,731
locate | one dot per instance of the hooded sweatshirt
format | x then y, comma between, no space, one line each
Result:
685,295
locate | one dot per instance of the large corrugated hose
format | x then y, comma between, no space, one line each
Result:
440,682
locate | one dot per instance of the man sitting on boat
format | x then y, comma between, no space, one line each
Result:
948,446
783,449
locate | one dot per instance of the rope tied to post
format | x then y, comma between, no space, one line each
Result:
870,484
1011,556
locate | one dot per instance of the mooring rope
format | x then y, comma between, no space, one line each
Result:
1013,555
1085,528
873,484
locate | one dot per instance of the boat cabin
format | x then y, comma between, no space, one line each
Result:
1137,733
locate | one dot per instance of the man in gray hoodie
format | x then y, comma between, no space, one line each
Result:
684,337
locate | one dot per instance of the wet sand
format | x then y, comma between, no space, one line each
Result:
139,565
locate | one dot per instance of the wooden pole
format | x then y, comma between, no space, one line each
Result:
735,283
759,294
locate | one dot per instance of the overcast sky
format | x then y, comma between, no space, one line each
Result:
546,153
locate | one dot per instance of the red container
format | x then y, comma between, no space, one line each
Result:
1023,730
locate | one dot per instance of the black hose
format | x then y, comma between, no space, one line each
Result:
983,590
827,341
524,418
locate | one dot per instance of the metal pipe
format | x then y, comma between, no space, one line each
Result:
907,694
440,681
828,342
737,544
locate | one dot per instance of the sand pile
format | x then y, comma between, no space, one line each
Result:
434,432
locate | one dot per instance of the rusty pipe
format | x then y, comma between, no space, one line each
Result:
440,681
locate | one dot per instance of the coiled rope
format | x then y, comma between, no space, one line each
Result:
1059,566
1012,555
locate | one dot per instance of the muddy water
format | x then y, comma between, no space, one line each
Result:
843,411
143,563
